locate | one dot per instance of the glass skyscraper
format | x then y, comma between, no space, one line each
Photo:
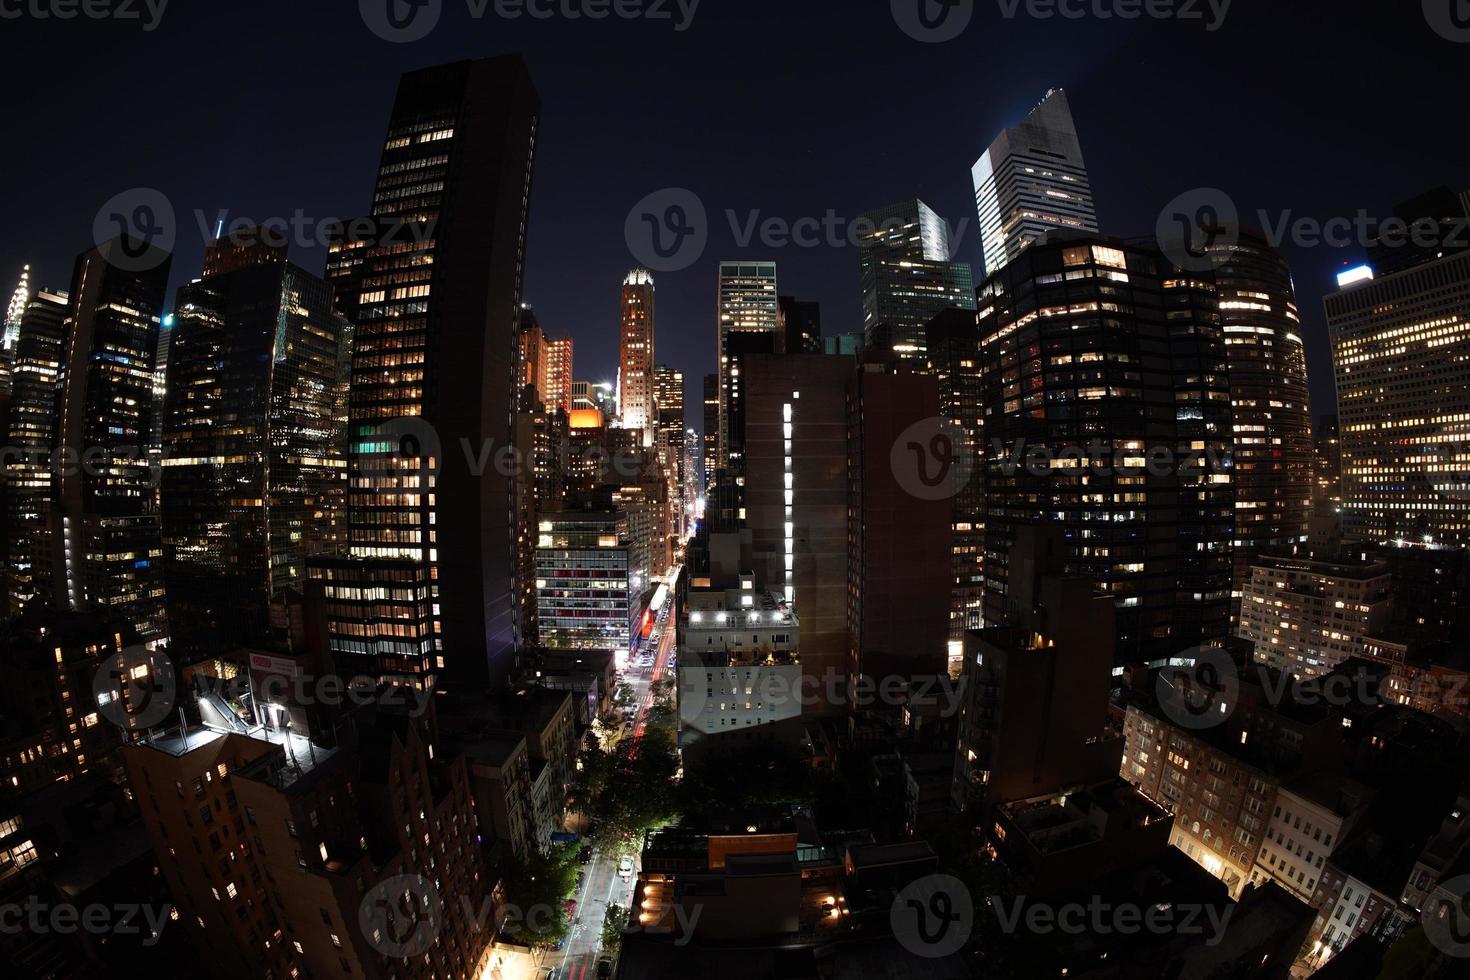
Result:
1032,179
908,278
255,471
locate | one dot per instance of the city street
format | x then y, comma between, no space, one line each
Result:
602,886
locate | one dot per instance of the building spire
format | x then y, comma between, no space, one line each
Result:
17,308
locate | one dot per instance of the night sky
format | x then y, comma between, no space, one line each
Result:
791,107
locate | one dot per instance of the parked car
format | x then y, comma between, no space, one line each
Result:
625,867
585,854
604,969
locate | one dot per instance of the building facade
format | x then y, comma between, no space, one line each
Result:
1305,617
1402,408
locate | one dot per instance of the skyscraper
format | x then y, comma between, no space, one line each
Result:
1107,415
533,353
557,382
635,355
254,480
747,303
31,435
1398,345
668,396
954,360
1030,180
908,278
801,325
104,538
710,450
433,291
1272,454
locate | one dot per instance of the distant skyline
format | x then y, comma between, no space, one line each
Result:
284,115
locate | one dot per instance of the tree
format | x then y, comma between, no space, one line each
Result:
536,891
613,924
639,793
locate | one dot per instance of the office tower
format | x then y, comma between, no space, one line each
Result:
31,434
1402,402
796,498
585,597
635,355
433,293
598,396
668,396
801,325
1032,179
533,350
1267,360
899,579
746,305
1327,462
1305,617
710,451
103,533
953,342
254,480
728,494
908,278
1107,414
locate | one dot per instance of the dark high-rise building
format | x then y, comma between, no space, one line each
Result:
31,434
954,360
1327,462
1398,344
711,445
103,535
1107,415
801,325
1272,455
1435,222
668,396
908,277
898,543
727,497
254,480
433,291
796,497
